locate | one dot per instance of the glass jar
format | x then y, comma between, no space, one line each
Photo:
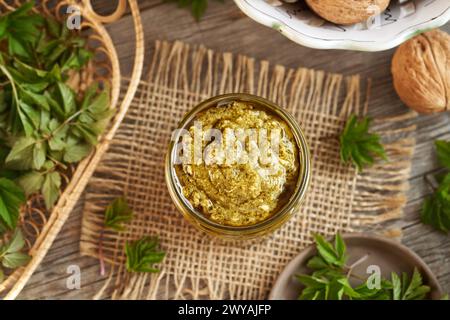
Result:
277,218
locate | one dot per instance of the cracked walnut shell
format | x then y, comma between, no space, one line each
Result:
421,72
347,11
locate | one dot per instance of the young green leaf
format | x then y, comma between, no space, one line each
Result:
436,208
77,152
333,256
30,97
397,287
11,198
311,281
22,154
316,263
53,26
86,132
340,248
415,289
26,74
67,98
39,155
325,249
15,260
77,59
143,254
21,27
89,95
358,146
58,135
10,255
406,289
198,7
443,152
117,214
367,293
347,289
50,188
31,182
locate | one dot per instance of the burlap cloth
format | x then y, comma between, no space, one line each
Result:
198,266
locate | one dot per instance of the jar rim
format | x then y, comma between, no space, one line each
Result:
302,183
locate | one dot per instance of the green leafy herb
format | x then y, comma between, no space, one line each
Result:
75,151
11,198
31,182
436,208
21,29
11,256
198,7
329,255
47,124
118,213
330,278
408,289
443,152
358,146
143,254
51,187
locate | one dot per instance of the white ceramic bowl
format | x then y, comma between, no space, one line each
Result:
402,20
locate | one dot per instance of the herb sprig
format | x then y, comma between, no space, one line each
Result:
141,254
358,146
117,214
436,208
45,125
11,256
330,278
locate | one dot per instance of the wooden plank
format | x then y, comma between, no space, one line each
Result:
225,28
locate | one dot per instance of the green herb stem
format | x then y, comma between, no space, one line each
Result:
101,256
12,82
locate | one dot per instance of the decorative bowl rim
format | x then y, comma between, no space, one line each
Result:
342,44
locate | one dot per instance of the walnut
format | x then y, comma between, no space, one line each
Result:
421,72
347,11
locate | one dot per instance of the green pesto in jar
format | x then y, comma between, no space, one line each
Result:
239,186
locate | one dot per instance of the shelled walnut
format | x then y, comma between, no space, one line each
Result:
421,72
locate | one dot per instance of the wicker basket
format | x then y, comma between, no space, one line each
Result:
41,227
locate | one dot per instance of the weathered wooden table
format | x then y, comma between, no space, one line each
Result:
225,28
